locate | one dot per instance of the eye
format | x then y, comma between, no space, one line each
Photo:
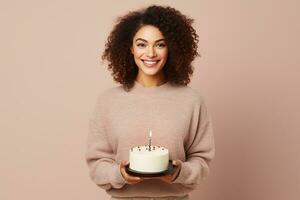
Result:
161,45
140,45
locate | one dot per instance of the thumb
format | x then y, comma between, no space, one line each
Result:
176,162
124,162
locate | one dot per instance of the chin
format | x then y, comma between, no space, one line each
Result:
149,73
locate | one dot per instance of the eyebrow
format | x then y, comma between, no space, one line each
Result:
146,40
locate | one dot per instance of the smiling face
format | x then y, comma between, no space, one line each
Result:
150,51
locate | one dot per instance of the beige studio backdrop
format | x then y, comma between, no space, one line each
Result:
51,74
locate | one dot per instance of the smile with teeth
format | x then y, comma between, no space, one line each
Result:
150,62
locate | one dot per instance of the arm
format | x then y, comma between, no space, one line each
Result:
100,158
200,148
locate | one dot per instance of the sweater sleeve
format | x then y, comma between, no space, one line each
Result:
200,148
100,158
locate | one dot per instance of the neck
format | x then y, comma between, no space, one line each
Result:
150,81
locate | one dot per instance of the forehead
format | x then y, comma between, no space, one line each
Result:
149,33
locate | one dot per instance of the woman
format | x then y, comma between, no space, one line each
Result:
150,53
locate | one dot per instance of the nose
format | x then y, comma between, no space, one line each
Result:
151,52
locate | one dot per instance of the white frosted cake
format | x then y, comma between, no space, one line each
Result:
145,161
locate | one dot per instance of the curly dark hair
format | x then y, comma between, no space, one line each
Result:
181,39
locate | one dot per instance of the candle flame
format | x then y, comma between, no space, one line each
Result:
150,133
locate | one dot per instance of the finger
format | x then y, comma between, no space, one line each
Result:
177,170
128,177
124,162
144,178
175,162
133,178
176,173
123,171
132,182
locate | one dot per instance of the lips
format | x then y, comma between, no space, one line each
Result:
150,63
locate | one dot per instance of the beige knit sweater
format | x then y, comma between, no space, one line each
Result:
179,120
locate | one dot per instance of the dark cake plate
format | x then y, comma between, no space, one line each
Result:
132,172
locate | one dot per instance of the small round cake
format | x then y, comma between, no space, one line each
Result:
154,161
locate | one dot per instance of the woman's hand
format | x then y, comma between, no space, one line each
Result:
128,178
169,178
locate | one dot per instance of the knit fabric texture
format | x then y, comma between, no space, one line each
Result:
179,120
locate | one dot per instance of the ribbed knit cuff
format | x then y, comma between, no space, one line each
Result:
117,179
184,171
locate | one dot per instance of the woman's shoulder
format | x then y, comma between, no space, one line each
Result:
195,95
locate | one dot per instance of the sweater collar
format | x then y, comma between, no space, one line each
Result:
153,89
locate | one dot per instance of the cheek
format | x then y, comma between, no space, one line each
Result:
164,54
138,53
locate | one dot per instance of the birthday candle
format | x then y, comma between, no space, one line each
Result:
150,136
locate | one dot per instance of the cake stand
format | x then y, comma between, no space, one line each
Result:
132,172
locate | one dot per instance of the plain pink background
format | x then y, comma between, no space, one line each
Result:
51,74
